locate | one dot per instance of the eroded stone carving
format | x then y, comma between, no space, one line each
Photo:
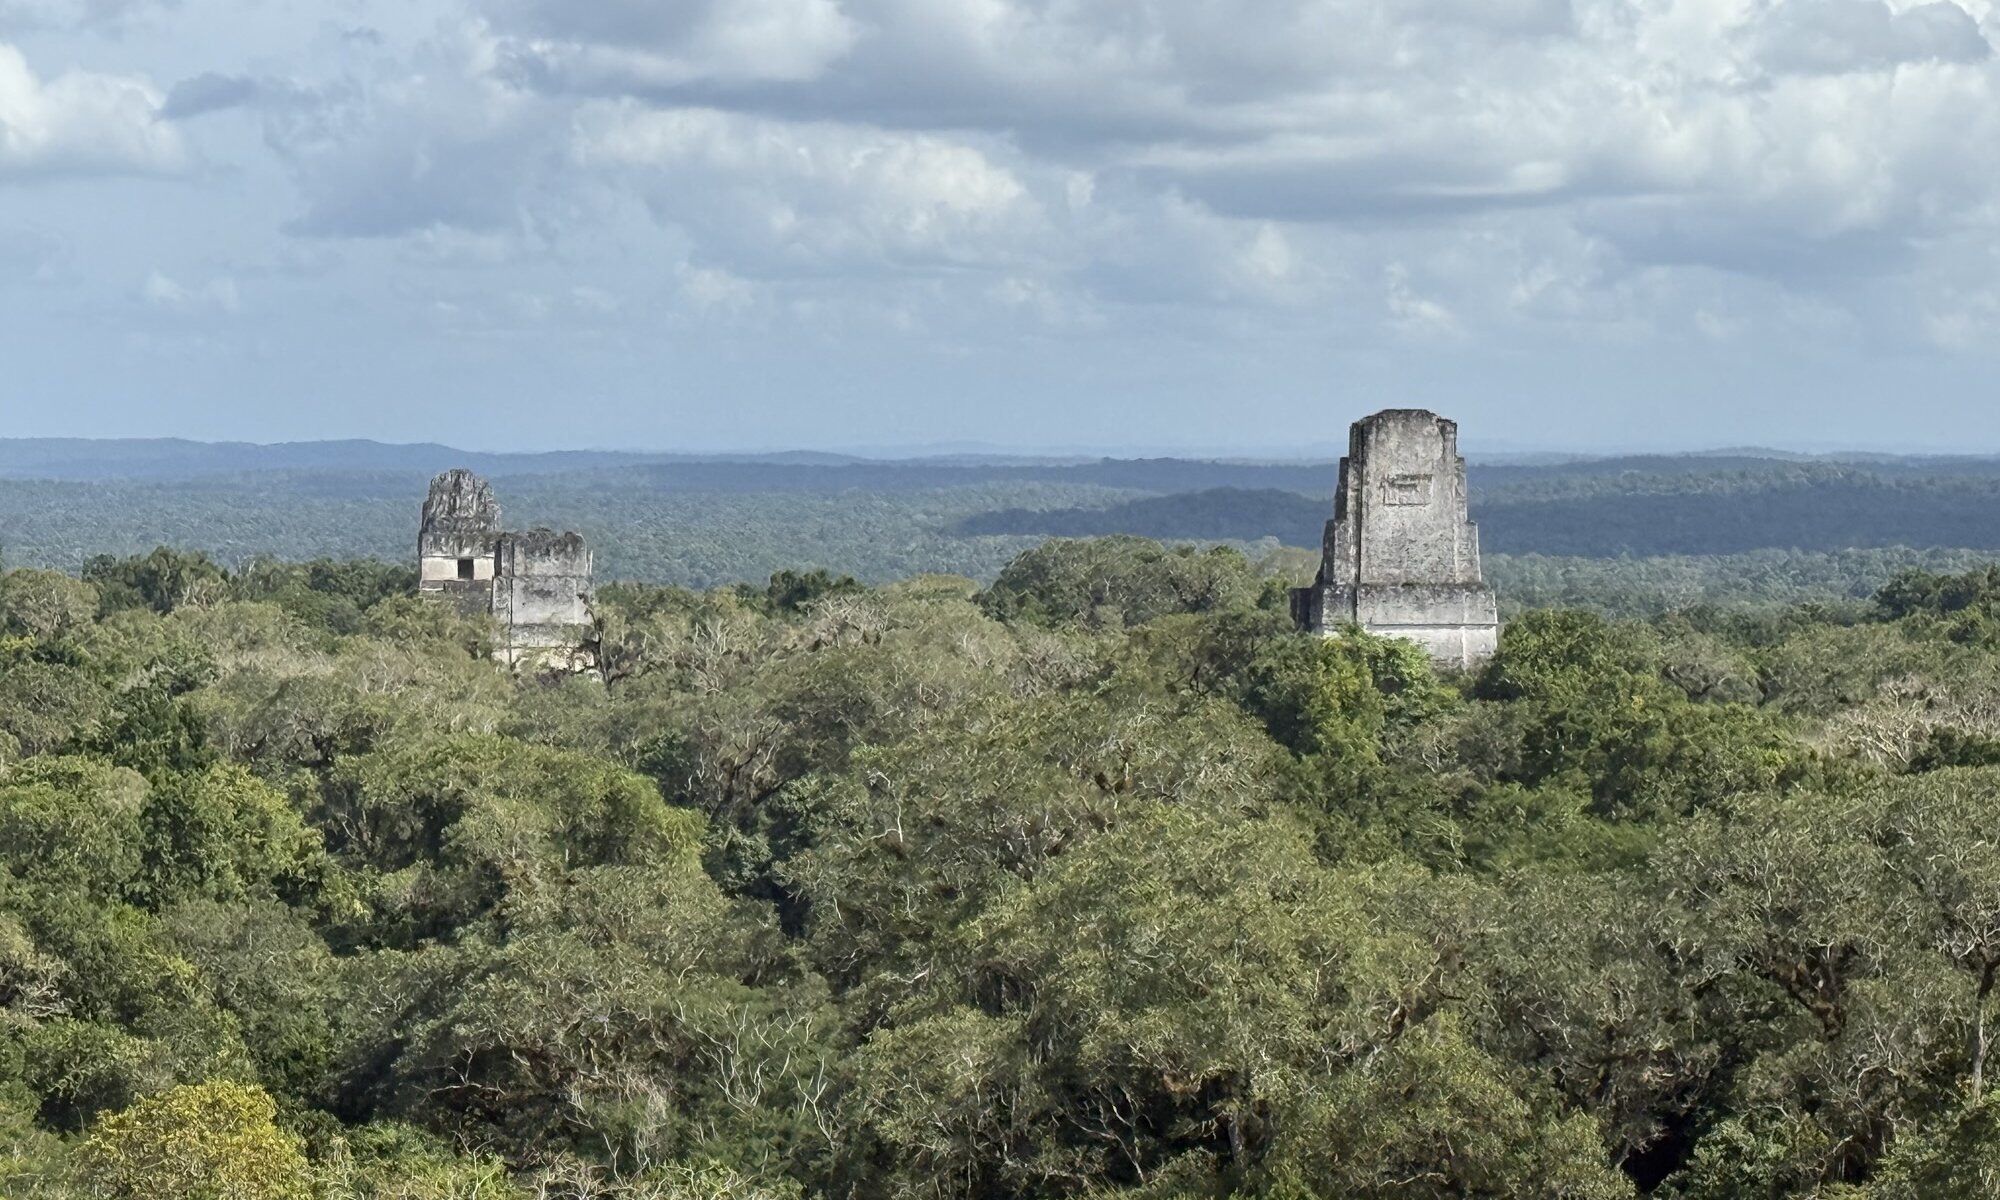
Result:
1400,558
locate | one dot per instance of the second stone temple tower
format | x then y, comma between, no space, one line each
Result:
1400,558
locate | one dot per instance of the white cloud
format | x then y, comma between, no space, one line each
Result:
788,197
435,143
1747,114
634,43
1412,313
80,123
163,292
711,288
1839,36
1174,151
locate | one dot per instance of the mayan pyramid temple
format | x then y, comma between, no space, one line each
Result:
1401,559
535,584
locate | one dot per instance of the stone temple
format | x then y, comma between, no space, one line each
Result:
1401,559
536,585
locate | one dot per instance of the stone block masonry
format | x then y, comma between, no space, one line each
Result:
541,590
1400,558
537,584
455,546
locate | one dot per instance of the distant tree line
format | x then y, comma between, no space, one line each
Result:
650,524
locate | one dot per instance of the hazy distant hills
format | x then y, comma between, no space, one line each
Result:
176,458
809,470
708,519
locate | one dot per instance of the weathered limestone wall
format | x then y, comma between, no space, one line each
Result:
537,584
542,591
1400,558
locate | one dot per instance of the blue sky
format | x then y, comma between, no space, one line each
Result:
1162,224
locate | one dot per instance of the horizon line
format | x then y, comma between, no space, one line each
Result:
1315,451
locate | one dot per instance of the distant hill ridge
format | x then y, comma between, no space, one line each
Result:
182,459
179,458
701,520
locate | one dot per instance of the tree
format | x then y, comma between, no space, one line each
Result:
796,591
473,819
223,834
209,1141
163,580
1117,581
45,606
635,1014
1338,697
1938,838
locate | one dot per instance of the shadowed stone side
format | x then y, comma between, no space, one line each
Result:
1400,558
537,584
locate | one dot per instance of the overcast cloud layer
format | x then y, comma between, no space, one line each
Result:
1224,224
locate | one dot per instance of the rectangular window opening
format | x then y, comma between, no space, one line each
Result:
465,568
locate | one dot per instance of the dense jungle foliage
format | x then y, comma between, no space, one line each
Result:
1099,881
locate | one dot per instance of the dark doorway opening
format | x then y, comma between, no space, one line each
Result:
465,568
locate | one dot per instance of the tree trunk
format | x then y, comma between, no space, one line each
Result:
1979,1036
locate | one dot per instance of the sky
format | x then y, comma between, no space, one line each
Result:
1216,225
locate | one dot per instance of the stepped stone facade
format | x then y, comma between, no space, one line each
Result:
1400,558
537,584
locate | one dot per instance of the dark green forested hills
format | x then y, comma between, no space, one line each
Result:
1215,514
1571,512
704,523
1093,881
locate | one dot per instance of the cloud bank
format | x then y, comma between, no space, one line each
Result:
1318,185
81,123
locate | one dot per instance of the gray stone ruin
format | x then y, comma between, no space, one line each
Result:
455,548
1400,558
536,585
